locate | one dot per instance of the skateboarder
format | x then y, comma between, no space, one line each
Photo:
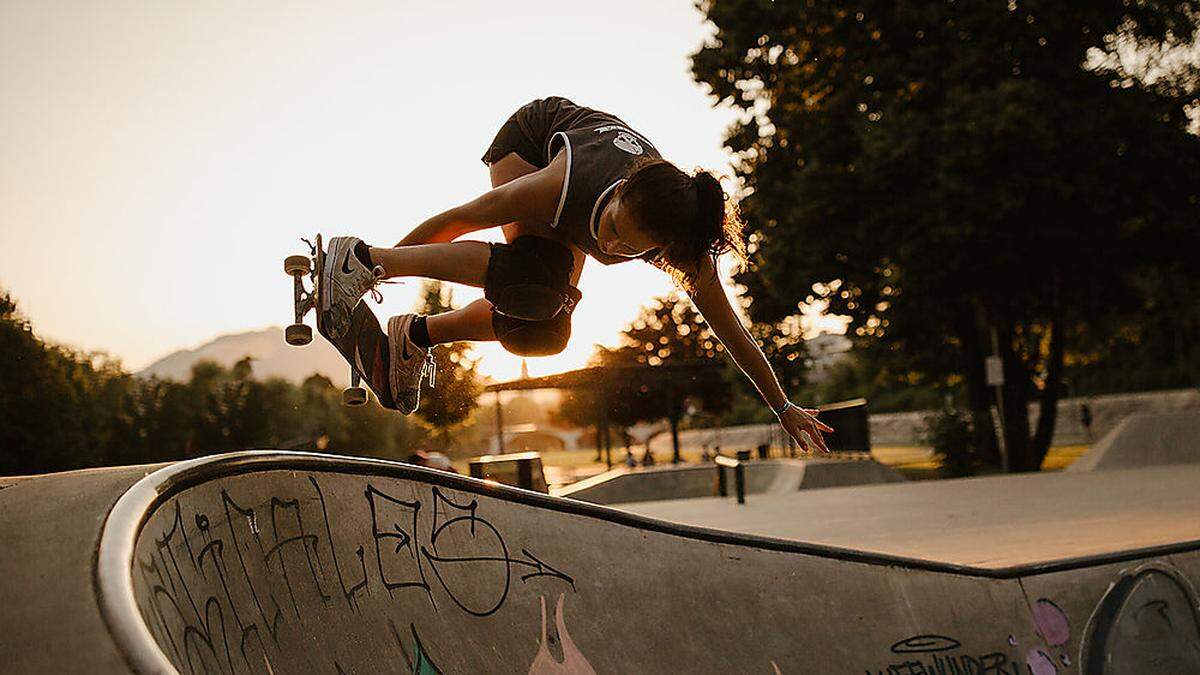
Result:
568,182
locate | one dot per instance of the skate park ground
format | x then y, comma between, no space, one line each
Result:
289,562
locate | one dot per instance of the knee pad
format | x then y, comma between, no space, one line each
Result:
532,338
530,279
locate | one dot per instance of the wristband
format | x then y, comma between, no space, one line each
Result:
784,408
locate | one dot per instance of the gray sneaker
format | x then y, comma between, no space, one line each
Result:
343,281
409,364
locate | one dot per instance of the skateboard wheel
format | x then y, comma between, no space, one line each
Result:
297,265
298,334
354,396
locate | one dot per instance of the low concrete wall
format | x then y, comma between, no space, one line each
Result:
1107,412
623,486
906,428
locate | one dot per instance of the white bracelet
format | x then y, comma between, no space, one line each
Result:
783,409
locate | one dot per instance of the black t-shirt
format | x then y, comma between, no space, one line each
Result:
600,149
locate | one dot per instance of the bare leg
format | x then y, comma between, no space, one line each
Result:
460,262
510,167
464,262
472,322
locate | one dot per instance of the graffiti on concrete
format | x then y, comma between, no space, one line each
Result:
1054,628
419,662
222,595
939,654
1147,622
409,564
569,661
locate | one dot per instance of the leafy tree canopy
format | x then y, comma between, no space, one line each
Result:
947,174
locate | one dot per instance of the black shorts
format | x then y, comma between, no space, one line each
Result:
531,261
527,131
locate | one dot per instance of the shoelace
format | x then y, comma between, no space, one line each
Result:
373,289
430,367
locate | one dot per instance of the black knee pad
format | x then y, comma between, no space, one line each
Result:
532,338
530,279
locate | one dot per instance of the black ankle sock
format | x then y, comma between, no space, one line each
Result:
363,253
418,332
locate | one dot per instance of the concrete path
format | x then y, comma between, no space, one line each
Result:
989,523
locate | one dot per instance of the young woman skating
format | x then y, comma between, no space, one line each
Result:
568,183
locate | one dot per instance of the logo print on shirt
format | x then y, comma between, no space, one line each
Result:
628,143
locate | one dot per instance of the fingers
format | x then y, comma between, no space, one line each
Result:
813,412
808,438
818,443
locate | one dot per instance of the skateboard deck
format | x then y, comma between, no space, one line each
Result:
364,345
365,348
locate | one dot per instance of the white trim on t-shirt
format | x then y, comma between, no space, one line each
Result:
562,197
593,225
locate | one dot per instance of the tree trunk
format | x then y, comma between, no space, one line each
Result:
1016,399
979,398
1048,406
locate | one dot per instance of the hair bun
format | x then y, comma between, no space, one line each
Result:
710,201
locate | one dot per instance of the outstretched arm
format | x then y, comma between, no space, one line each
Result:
710,299
533,197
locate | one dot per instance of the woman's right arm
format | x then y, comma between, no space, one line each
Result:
533,196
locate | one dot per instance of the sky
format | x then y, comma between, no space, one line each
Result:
159,160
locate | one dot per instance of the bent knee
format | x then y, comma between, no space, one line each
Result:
532,338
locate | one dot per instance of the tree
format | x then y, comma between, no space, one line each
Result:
959,178
60,410
667,357
455,391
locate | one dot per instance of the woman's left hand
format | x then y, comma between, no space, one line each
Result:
803,425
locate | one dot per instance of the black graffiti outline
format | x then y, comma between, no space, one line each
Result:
419,651
925,644
215,552
202,630
192,622
405,539
272,624
347,593
308,543
474,519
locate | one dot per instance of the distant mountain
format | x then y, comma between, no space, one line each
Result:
272,357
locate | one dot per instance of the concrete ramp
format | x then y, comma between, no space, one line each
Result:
1146,439
777,476
275,562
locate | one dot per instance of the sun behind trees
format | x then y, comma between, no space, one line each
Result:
670,335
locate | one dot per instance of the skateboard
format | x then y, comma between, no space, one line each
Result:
364,346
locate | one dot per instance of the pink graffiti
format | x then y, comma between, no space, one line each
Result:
1051,623
573,662
1039,663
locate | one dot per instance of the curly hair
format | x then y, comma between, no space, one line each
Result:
691,214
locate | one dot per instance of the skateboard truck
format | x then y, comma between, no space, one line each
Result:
354,395
299,334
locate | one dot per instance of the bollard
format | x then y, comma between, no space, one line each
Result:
739,475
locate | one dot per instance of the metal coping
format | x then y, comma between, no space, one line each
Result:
115,557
